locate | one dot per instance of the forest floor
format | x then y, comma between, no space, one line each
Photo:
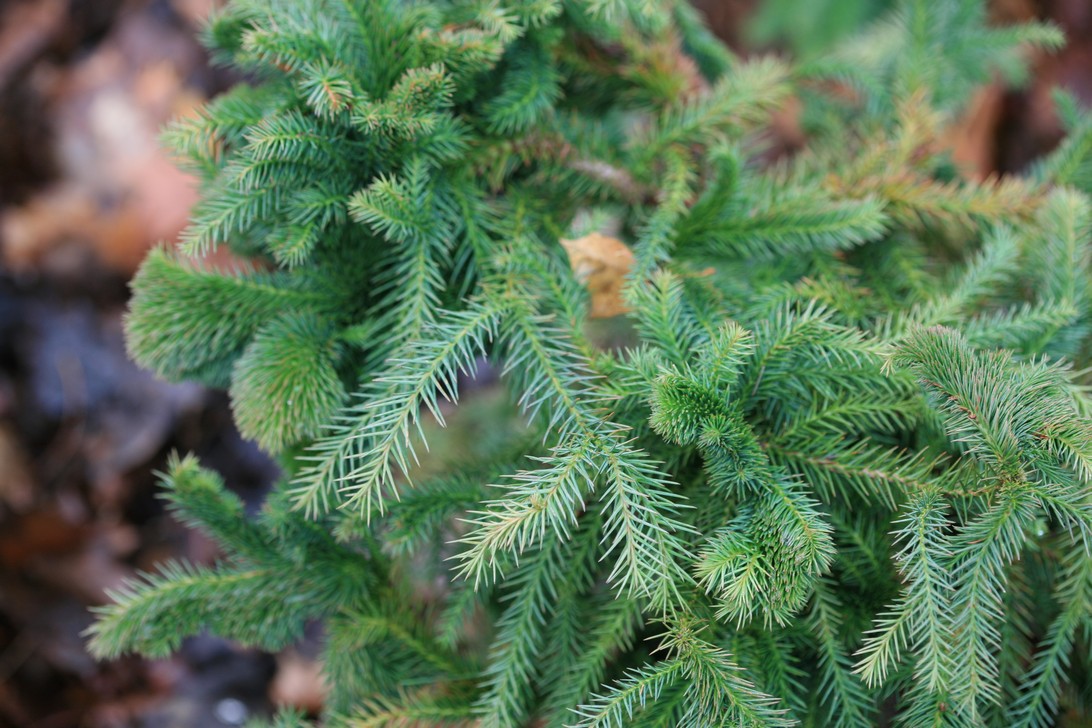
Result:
85,190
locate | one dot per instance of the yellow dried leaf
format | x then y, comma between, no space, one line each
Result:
601,263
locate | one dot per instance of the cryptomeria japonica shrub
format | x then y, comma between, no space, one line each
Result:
822,459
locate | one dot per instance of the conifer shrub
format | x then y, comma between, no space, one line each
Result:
779,439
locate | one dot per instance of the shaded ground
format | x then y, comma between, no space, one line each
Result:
84,190
84,88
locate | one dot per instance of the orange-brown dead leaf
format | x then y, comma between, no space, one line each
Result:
298,683
601,263
973,135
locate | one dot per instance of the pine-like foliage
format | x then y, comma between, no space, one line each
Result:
836,473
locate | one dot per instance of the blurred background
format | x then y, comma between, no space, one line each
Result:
85,190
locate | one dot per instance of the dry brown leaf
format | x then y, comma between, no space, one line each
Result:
16,481
972,137
298,683
601,263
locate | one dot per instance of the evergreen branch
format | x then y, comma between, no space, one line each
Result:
402,172
1041,689
1071,506
839,689
657,236
372,627
1016,642
937,710
515,651
981,552
420,513
1058,249
548,373
1071,162
799,225
415,212
716,691
641,525
837,469
410,710
855,413
916,200
663,318
185,321
285,718
804,532
723,357
613,631
622,701
198,498
922,616
1001,411
768,559
357,457
549,497
153,615
284,387
528,92
379,649
230,214
1022,329
771,656
465,601
983,276
803,338
739,100
576,600
732,566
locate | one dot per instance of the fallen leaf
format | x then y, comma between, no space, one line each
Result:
972,138
601,263
16,483
298,683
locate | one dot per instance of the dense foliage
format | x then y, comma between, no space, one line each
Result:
830,468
